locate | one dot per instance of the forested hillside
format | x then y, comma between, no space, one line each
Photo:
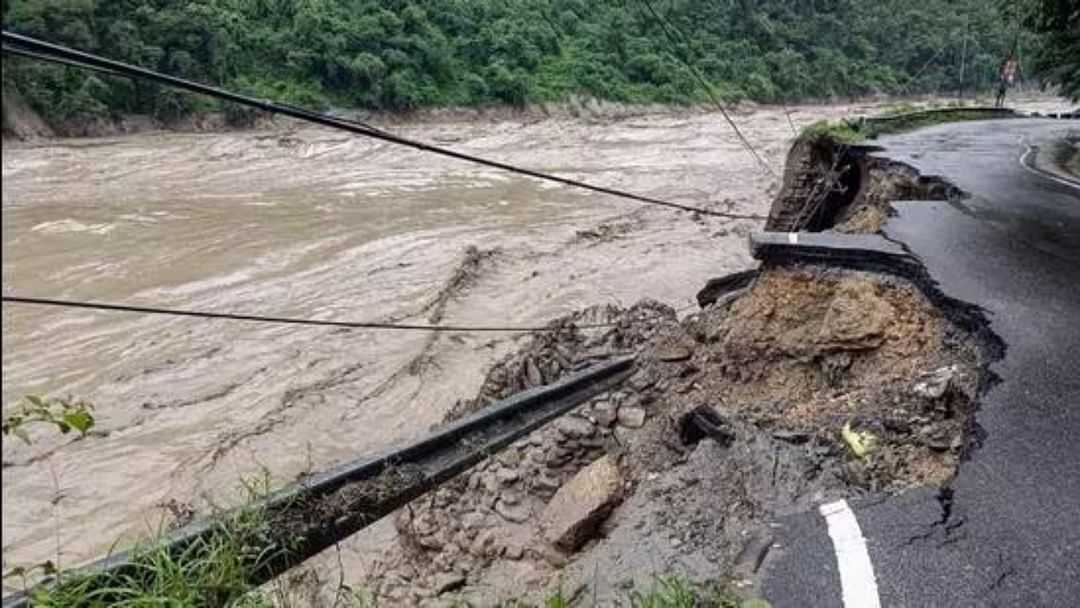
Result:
401,55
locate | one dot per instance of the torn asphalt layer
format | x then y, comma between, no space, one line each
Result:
1006,530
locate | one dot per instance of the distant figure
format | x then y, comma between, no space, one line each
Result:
1006,78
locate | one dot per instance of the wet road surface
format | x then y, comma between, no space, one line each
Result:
1006,530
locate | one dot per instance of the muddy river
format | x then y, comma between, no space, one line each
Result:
305,222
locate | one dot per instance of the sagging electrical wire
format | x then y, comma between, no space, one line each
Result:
667,29
204,314
38,49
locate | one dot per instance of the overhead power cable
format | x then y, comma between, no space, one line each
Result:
204,314
40,49
667,29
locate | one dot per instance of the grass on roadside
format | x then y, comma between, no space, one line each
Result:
897,119
839,131
668,591
215,569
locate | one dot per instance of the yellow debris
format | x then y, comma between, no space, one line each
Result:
861,443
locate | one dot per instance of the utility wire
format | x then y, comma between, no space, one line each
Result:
14,50
203,314
912,79
68,56
706,86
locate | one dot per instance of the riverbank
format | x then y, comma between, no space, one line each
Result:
22,123
307,222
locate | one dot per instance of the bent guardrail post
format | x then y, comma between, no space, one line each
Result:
327,507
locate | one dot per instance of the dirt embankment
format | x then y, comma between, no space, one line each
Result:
20,121
737,414
843,187
1061,156
792,386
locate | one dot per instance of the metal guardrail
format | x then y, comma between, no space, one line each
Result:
769,246
853,251
419,466
861,123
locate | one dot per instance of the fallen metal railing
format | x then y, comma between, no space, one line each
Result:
398,476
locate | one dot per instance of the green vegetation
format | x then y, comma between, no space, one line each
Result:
674,591
66,414
212,571
895,120
215,569
1058,57
402,54
668,591
838,131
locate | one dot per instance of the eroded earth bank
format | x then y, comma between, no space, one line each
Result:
792,386
771,391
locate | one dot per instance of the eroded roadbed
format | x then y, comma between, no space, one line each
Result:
1004,531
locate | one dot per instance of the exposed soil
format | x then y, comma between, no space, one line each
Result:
781,359
805,351
19,120
841,187
1061,156
885,181
775,374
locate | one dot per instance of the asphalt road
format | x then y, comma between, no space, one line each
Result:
1006,530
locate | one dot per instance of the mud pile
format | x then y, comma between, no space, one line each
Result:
735,415
805,352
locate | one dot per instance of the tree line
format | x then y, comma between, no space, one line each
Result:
400,55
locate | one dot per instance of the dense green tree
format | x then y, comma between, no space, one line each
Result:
1057,58
406,54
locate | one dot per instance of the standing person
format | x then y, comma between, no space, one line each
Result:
1006,78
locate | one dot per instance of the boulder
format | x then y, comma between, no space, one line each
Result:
604,412
631,417
514,513
573,427
674,352
579,507
507,476
443,583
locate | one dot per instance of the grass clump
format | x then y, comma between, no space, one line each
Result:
839,131
216,568
898,118
213,570
674,591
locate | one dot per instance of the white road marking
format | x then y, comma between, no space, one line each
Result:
793,238
857,582
1040,173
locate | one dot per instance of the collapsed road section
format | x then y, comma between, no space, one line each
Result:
812,384
905,364
837,370
1003,530
872,366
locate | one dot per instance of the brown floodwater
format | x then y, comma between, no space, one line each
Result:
307,222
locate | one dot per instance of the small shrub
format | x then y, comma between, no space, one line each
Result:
66,414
